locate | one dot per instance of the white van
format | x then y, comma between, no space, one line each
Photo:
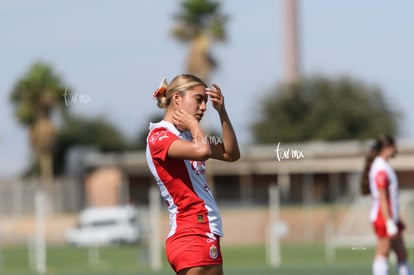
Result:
105,225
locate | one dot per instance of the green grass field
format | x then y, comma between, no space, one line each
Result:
128,260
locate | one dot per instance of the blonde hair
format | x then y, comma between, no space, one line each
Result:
180,84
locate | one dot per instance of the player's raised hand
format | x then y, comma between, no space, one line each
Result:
216,97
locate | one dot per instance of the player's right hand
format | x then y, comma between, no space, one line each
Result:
183,120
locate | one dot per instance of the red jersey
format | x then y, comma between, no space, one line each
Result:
182,183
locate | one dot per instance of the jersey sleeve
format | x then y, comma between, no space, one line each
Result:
159,140
381,179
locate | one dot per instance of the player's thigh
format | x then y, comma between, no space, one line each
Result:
203,270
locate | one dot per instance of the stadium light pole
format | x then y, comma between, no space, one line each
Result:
291,52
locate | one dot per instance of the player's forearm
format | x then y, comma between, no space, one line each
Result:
198,139
230,144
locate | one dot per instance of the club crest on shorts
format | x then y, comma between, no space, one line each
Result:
213,252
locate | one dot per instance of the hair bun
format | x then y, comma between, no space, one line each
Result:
161,90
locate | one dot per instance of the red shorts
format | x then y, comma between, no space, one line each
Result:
193,247
381,230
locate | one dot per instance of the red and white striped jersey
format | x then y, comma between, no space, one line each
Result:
182,183
382,175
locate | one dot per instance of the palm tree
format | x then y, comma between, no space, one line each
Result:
199,22
34,97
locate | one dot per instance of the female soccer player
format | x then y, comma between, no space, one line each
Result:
380,180
177,149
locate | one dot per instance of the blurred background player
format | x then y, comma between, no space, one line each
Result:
380,180
177,149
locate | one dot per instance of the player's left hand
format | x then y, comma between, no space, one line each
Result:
216,97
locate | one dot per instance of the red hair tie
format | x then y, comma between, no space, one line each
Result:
161,90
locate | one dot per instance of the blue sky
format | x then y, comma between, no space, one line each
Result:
114,53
